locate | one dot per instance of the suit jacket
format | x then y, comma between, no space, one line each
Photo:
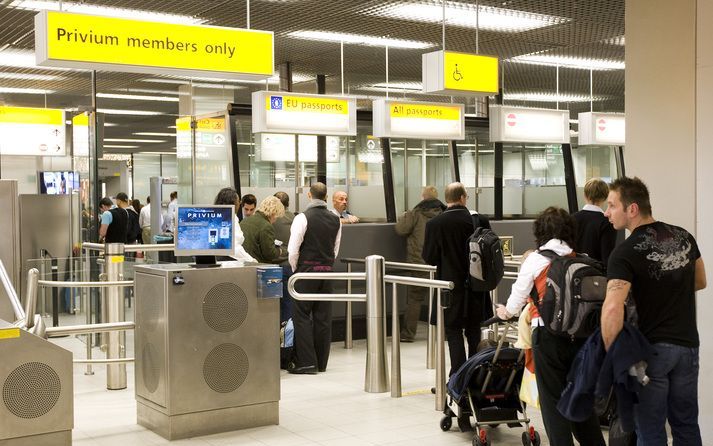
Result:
596,237
446,246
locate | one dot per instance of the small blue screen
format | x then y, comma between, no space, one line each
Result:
204,228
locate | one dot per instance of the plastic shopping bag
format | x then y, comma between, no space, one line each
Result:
528,388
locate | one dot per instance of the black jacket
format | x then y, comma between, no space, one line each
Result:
596,237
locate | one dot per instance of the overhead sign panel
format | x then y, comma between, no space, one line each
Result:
426,120
275,112
519,124
94,42
448,72
602,129
32,131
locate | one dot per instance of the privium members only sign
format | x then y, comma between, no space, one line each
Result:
303,113
427,120
94,42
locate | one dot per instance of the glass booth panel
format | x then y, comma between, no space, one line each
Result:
544,178
593,162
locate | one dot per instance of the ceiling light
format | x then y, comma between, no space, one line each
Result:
30,77
110,124
464,15
24,90
569,62
13,57
116,156
154,134
359,39
110,146
619,40
413,86
550,97
137,97
113,111
39,5
134,140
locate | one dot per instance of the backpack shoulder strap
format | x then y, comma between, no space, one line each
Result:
548,253
476,221
551,255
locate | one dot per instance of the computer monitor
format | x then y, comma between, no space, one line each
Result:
58,183
204,231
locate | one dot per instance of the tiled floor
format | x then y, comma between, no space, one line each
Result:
329,409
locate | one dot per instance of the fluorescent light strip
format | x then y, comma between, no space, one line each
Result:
549,97
359,39
154,134
134,140
11,90
114,111
413,86
111,146
464,15
30,77
137,97
39,5
18,58
569,62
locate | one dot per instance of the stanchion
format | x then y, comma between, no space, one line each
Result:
348,335
431,342
440,355
395,345
55,293
377,377
114,302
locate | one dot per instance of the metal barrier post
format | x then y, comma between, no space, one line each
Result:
395,345
114,302
431,342
43,291
31,299
55,293
440,355
348,336
377,377
86,304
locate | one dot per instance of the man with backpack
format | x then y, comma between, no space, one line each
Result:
554,347
661,267
446,246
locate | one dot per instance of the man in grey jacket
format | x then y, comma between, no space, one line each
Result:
412,224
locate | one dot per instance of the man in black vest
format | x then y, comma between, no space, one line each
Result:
313,246
115,220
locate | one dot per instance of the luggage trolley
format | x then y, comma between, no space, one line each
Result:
489,382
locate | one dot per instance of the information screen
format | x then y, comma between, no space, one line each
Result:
58,183
204,230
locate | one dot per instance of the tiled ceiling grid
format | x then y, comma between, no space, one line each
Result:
587,29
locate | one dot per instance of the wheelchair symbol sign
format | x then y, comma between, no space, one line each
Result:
457,76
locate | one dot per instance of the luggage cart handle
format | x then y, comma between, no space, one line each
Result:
491,321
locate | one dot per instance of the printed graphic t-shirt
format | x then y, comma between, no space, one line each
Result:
659,260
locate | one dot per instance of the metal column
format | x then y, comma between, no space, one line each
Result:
377,375
431,342
114,301
348,333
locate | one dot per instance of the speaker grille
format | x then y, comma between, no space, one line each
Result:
150,367
31,390
225,368
225,307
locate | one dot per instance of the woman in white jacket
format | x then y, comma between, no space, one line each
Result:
229,196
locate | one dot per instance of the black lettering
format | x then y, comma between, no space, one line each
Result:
61,32
133,41
158,44
194,47
209,49
146,43
179,46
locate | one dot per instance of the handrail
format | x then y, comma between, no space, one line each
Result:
395,265
11,293
131,248
417,281
89,328
31,299
321,296
76,284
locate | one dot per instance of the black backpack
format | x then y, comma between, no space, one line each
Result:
485,257
574,295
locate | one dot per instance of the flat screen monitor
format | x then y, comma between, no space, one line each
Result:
204,231
58,182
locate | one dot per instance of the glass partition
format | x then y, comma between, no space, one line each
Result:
593,162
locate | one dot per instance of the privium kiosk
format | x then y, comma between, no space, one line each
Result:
207,347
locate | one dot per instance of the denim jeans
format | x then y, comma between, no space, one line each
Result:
672,393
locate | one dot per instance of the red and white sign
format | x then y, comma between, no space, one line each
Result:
519,124
602,129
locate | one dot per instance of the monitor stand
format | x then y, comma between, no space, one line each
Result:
205,262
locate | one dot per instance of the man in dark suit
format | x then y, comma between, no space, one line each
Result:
446,247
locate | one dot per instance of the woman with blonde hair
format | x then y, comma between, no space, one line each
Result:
259,233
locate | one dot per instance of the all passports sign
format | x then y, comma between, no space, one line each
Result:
93,42
427,120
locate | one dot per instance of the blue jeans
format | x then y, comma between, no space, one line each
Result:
671,394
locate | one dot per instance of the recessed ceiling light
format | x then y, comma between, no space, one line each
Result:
360,39
25,90
137,97
30,77
464,15
134,140
619,40
569,62
114,111
414,86
154,134
550,97
39,5
111,146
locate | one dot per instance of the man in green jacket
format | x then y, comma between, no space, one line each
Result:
413,225
260,234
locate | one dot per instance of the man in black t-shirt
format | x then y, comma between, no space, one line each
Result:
661,265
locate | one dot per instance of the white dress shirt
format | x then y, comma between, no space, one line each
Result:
171,215
529,270
145,218
239,253
297,235
592,207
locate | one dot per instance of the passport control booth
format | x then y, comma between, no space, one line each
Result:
207,334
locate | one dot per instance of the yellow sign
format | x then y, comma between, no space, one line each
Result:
183,124
94,42
9,333
307,104
116,259
210,125
424,111
81,119
23,115
470,72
